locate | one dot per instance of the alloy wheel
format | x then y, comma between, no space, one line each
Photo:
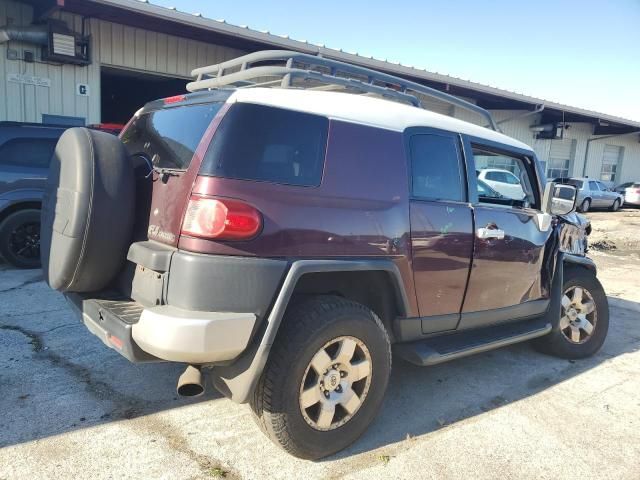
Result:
579,315
24,241
335,384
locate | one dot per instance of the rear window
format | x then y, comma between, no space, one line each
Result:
28,152
255,142
169,137
570,181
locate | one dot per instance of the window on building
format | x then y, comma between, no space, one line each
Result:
28,152
436,172
610,161
561,155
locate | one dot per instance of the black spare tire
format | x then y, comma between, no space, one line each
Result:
87,211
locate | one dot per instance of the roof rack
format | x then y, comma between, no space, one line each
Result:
280,68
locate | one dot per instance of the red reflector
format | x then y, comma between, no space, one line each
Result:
222,219
116,342
174,99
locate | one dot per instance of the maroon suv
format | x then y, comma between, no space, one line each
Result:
284,241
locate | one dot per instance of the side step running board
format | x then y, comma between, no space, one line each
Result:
432,351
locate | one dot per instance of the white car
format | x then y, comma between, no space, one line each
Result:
502,181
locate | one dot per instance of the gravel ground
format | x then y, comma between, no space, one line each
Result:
71,408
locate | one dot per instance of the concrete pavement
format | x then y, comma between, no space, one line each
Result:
71,408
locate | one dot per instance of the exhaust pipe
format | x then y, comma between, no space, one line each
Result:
190,382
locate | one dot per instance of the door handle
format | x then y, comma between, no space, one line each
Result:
485,233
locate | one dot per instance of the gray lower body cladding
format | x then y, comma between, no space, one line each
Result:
180,306
223,283
208,283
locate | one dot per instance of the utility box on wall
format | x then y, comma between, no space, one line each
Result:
66,46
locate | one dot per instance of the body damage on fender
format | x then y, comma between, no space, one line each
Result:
573,231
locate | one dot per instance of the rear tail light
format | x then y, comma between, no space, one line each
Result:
636,191
221,219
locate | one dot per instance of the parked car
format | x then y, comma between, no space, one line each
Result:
286,264
631,192
593,194
502,181
25,153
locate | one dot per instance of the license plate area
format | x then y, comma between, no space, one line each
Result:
148,286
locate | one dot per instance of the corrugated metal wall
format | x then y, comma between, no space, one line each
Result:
112,45
27,103
121,46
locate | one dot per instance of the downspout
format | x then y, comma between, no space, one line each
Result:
586,151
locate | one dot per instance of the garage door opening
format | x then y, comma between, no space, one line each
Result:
123,92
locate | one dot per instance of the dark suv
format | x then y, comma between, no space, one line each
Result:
25,151
285,241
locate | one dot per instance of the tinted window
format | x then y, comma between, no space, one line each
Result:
435,168
593,186
169,137
255,142
28,152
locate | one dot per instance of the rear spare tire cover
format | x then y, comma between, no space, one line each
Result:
87,211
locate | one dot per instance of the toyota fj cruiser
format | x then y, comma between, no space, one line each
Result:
285,241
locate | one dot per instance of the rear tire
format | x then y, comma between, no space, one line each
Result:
616,206
20,238
585,205
583,325
299,400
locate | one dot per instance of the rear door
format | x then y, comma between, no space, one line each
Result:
441,226
24,161
597,199
608,196
507,279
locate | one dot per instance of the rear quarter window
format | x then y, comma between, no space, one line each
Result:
260,143
169,137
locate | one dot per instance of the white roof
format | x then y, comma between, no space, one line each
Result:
365,110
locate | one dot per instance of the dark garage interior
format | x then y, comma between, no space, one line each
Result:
125,91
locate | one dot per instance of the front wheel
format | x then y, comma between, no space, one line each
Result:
584,317
326,377
615,206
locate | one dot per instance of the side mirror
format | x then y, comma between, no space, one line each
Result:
559,199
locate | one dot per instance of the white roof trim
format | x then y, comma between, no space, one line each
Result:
246,33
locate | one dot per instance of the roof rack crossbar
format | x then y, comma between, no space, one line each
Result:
388,86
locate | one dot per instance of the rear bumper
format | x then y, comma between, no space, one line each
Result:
164,332
632,199
182,307
187,336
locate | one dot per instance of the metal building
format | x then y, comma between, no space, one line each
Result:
97,61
